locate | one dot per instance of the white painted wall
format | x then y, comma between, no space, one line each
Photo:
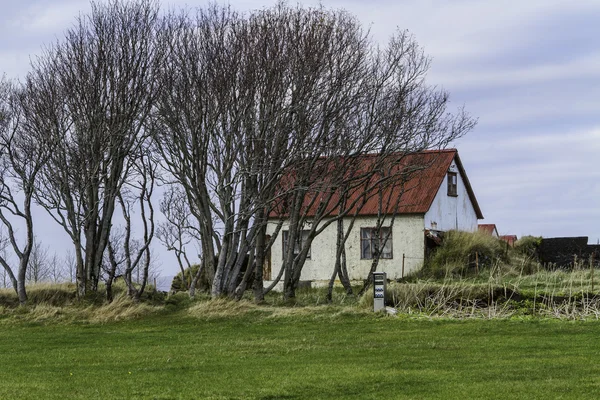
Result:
407,236
450,212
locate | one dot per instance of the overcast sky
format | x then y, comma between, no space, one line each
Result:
528,70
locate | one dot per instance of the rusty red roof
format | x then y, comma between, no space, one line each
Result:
487,228
510,239
405,196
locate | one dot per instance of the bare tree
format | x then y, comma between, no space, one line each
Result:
5,278
40,267
101,81
124,250
188,111
176,232
22,157
8,277
69,265
58,271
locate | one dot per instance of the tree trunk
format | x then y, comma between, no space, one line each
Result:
217,286
344,277
13,281
140,291
336,269
259,290
81,277
21,292
109,292
195,279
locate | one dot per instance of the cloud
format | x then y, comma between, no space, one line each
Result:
48,17
538,183
584,67
464,28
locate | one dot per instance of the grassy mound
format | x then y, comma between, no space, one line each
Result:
463,253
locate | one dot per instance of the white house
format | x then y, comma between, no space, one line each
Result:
436,199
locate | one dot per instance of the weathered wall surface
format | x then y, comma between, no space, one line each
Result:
451,212
407,239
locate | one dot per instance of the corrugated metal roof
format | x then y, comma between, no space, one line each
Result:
487,228
417,179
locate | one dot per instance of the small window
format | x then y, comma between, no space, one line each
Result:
300,242
452,184
373,240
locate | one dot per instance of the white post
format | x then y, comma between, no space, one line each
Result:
379,281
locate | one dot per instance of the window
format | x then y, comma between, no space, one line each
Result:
300,242
373,240
452,184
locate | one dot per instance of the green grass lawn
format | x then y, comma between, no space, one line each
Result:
329,354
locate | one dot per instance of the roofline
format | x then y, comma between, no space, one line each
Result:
348,216
468,186
407,153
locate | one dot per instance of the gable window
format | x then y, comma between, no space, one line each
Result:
373,240
452,184
301,240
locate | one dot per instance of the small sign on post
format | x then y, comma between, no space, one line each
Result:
379,281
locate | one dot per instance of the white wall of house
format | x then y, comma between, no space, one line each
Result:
407,239
452,212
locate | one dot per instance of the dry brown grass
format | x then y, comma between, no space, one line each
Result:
58,303
57,294
121,308
499,293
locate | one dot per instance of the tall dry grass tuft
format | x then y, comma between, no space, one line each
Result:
121,308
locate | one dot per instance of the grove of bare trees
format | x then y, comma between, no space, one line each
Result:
230,116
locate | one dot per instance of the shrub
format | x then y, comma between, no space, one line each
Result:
178,285
528,246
